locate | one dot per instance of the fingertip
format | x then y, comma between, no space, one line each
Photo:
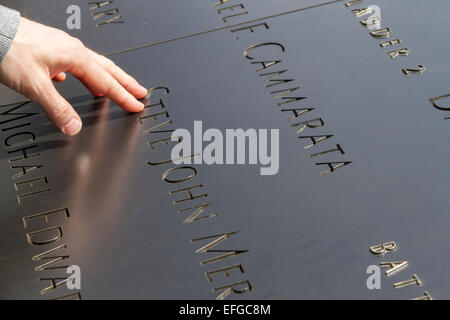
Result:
137,106
73,127
138,91
141,92
60,77
131,104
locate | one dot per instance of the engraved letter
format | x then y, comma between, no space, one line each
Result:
433,102
394,266
188,190
314,123
251,28
261,45
415,280
20,115
41,242
31,134
172,170
226,290
380,249
381,33
225,271
333,166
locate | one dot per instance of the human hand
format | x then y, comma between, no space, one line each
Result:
40,54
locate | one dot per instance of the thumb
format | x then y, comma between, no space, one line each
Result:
58,110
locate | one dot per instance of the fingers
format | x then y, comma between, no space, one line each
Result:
125,80
58,110
60,77
94,93
99,81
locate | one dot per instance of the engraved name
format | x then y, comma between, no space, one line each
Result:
189,198
394,267
383,33
44,229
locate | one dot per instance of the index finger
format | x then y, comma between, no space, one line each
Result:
95,77
127,81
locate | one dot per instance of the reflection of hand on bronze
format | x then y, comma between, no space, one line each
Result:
39,54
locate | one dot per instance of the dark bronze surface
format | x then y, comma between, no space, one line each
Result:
149,21
307,235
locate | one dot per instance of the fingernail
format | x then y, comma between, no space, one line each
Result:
72,127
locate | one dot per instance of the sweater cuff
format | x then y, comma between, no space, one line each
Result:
9,23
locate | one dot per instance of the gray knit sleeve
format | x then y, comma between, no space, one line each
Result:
9,22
